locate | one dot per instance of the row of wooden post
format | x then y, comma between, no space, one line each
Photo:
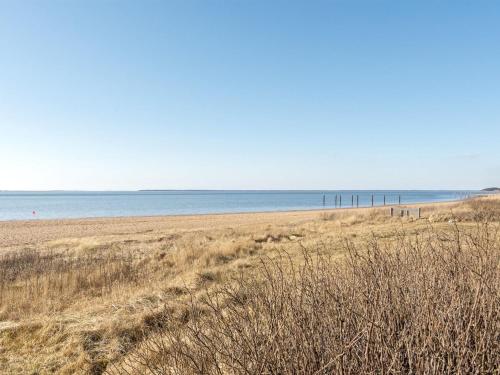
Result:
338,199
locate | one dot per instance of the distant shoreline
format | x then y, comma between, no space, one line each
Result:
248,190
29,206
231,213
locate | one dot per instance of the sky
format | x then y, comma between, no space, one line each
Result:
240,94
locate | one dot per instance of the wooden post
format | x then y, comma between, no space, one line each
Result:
392,211
384,199
340,200
399,199
352,200
357,200
372,200
324,200
335,200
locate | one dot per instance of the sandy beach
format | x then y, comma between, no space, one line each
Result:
20,233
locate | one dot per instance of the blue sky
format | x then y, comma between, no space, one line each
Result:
249,94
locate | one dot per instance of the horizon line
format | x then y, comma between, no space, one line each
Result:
243,190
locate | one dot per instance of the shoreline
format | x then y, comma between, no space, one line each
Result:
22,233
159,216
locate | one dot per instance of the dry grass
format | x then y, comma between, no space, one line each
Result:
348,292
33,282
417,304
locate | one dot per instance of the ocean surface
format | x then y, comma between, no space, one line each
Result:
51,205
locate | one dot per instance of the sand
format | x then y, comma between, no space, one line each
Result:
24,233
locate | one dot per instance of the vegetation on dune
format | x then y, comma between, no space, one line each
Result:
418,304
350,292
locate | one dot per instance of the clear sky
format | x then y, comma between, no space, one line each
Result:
249,94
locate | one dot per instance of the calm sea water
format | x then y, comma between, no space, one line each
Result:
51,205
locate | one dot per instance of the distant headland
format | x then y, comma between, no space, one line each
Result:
494,189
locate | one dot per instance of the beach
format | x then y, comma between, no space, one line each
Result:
15,233
79,295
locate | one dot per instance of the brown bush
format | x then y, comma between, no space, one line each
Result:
425,303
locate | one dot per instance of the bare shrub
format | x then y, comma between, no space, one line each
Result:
485,209
425,303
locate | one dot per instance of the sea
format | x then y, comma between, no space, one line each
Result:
35,205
